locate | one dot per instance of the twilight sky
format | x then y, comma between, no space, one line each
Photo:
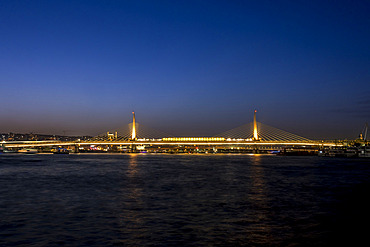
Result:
185,67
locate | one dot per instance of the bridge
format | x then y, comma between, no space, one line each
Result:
252,137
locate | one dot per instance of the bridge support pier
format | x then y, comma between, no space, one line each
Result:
133,148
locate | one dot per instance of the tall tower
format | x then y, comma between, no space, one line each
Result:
255,134
133,133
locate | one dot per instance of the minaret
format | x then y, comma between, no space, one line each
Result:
255,134
133,134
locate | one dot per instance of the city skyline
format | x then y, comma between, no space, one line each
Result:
187,68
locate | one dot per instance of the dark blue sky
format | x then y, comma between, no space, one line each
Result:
185,67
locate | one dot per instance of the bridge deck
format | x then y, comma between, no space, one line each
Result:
18,144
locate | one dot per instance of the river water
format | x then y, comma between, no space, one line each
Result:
182,200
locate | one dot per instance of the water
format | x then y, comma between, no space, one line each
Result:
182,200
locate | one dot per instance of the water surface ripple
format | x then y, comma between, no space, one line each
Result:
182,200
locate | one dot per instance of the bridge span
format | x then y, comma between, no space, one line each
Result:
253,136
160,142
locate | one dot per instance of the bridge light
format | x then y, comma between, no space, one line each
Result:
192,139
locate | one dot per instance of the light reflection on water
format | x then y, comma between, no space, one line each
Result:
130,214
259,197
167,200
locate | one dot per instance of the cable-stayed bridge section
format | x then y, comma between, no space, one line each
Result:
265,133
135,137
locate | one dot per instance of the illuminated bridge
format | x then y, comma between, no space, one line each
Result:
253,137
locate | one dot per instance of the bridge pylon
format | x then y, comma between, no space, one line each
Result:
255,132
133,132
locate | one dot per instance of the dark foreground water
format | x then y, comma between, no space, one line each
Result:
183,200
